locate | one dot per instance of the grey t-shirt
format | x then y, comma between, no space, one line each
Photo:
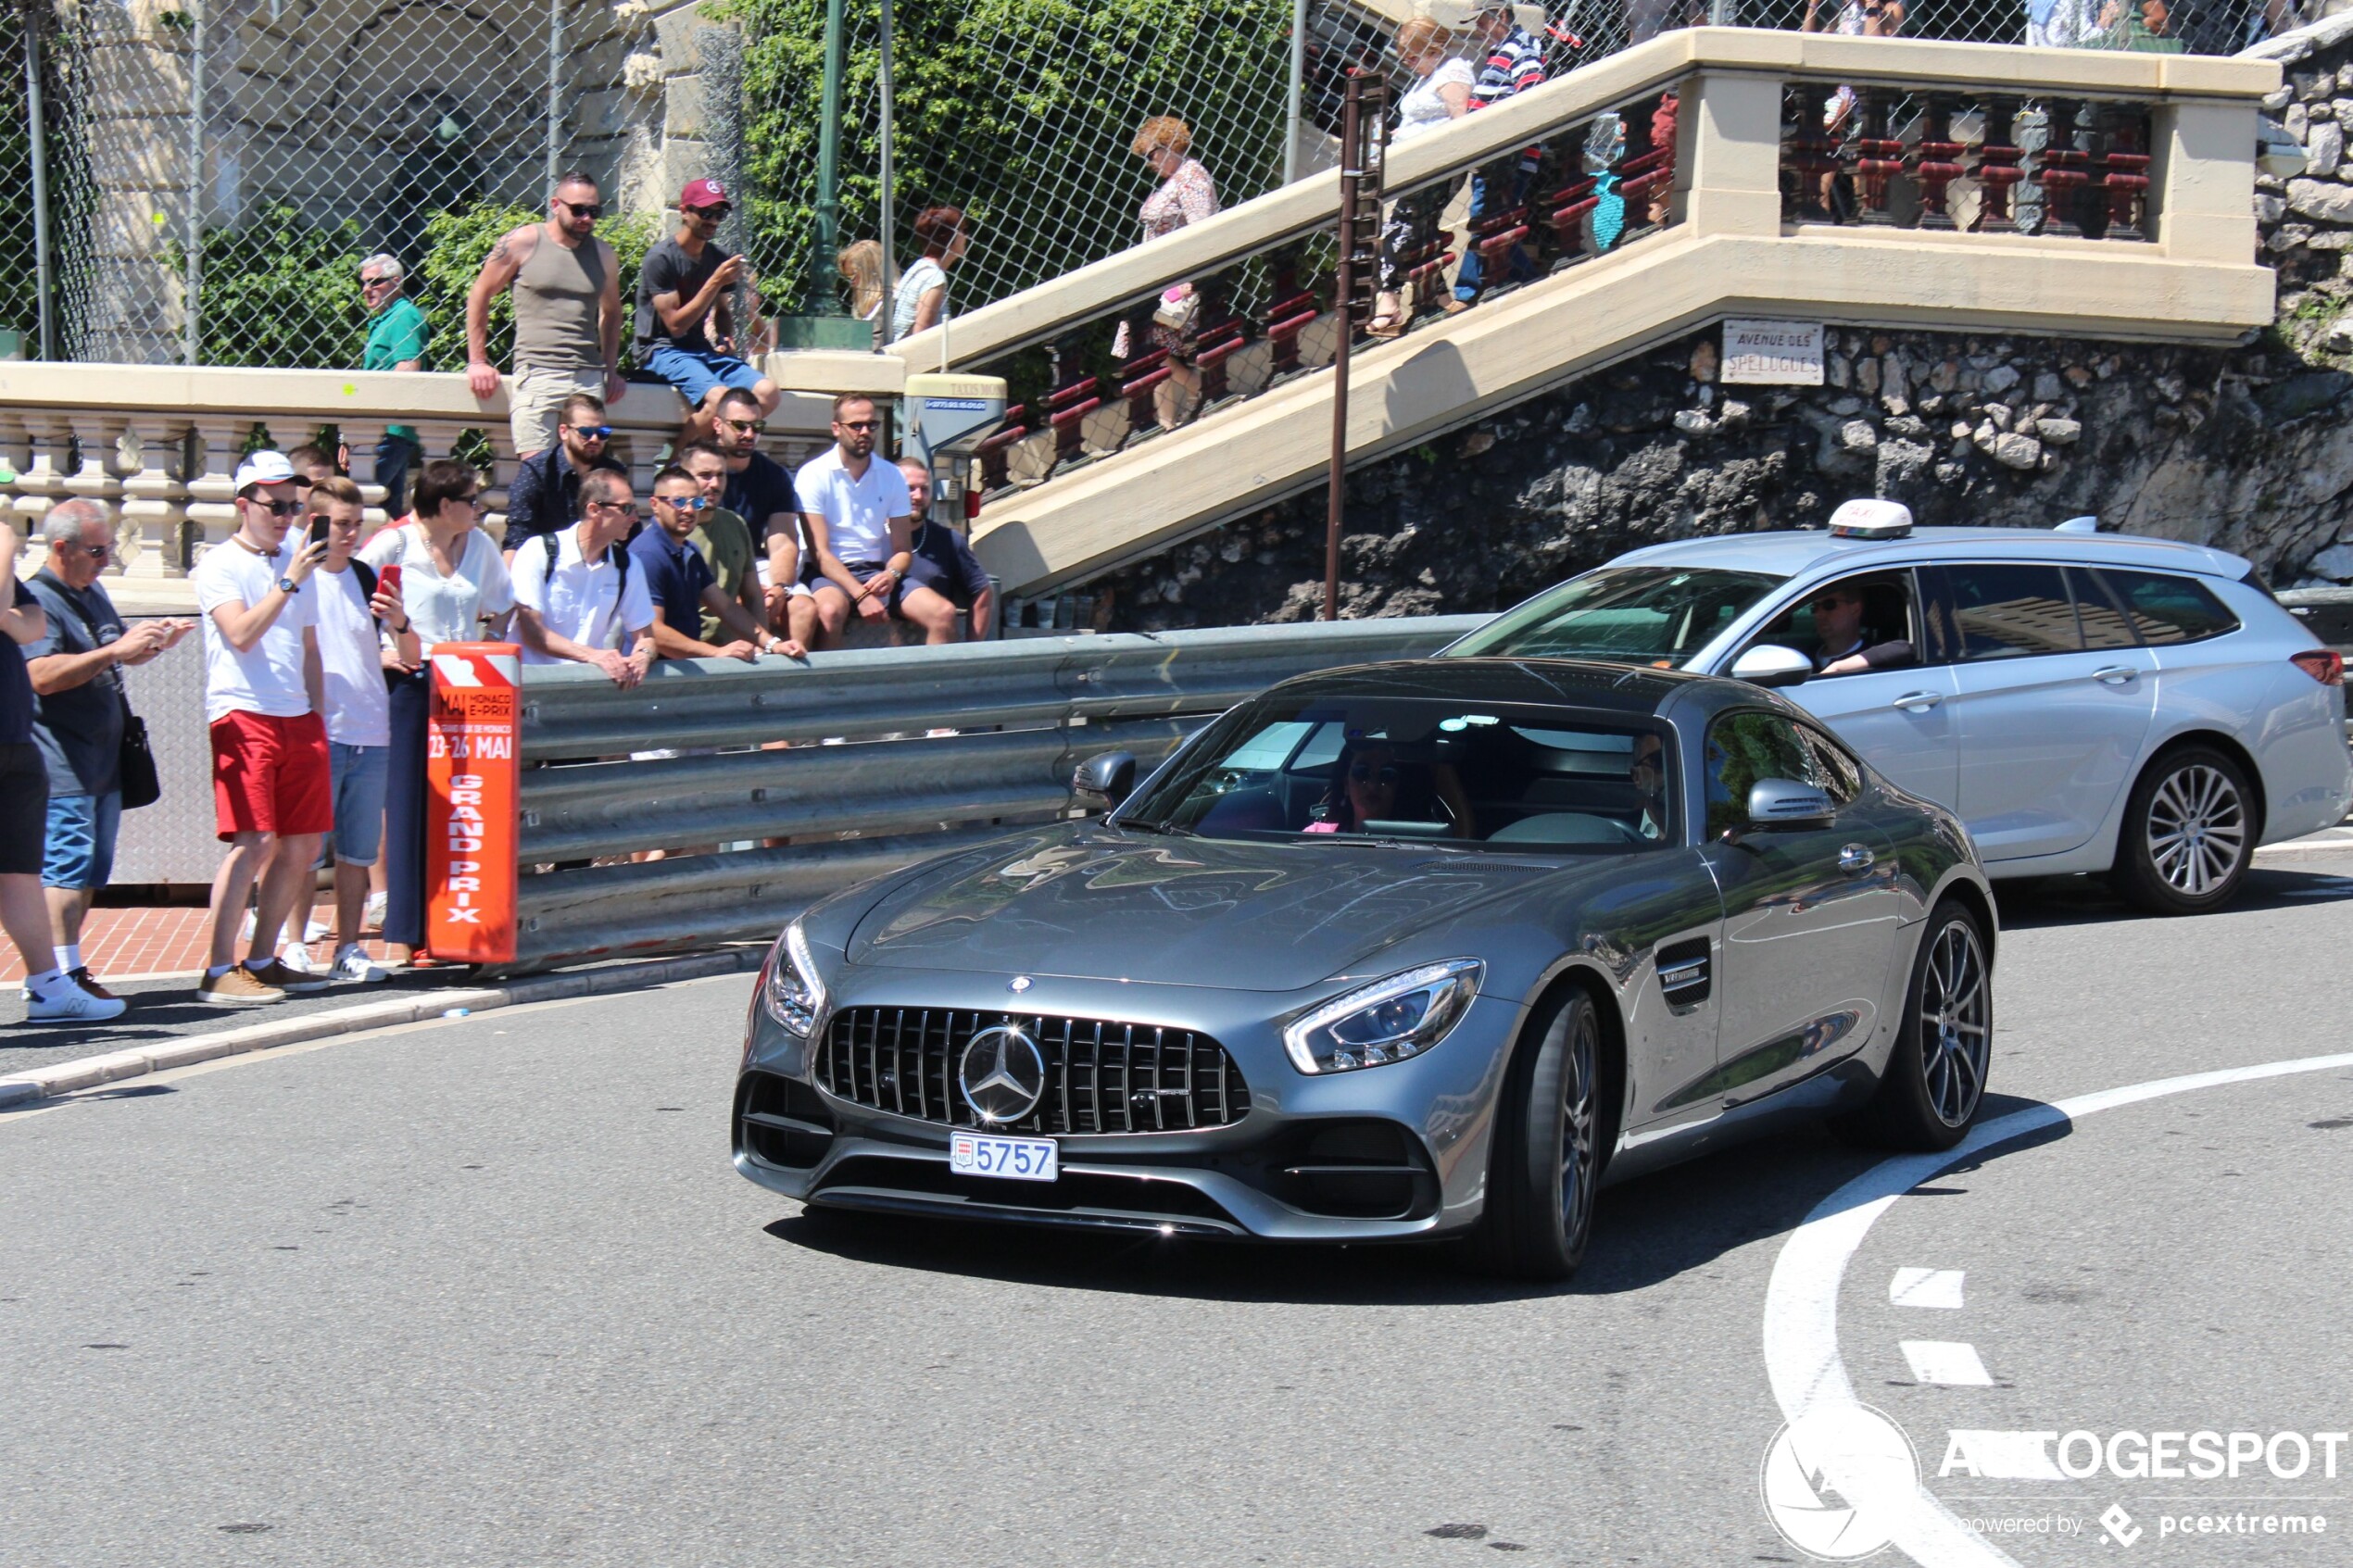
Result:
668,270
79,730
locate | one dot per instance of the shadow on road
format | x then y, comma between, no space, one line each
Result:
2086,900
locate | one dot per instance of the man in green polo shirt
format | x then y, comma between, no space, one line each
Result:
396,342
723,538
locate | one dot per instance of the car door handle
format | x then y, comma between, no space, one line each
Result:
1854,859
2116,675
1917,702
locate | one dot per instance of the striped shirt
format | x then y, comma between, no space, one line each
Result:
1514,64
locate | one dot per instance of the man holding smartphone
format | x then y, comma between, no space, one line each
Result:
357,609
264,691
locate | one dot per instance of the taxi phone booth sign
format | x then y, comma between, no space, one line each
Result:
473,745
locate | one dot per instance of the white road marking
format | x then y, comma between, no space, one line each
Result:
1925,1287
1801,1302
1947,1361
2002,1455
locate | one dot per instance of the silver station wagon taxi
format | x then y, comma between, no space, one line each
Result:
2083,701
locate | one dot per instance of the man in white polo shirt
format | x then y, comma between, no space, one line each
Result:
264,691
860,527
586,605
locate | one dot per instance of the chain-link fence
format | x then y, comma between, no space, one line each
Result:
214,173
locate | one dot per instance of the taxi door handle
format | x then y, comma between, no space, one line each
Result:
1916,702
2116,675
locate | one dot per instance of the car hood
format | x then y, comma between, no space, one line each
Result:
1085,901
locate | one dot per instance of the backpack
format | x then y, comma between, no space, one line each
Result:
617,557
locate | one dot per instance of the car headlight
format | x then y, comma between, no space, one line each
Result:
1388,1020
794,995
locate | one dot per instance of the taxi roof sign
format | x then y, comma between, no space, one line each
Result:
1871,520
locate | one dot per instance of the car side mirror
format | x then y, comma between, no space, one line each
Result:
1104,780
1785,803
1769,664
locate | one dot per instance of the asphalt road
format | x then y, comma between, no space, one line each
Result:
487,1292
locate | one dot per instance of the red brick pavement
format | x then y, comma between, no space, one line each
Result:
125,944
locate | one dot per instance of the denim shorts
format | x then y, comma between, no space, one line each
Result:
360,772
81,835
694,374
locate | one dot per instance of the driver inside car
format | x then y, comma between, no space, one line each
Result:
1375,786
1650,785
1841,645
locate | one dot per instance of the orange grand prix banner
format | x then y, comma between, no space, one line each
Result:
473,749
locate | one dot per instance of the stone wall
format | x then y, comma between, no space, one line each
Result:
2249,447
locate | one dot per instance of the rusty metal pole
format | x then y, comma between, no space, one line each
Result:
1361,114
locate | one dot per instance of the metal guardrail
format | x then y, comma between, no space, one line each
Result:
859,788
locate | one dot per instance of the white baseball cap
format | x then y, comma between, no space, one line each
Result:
264,467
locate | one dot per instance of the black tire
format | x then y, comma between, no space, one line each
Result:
1934,1082
1549,1146
2188,834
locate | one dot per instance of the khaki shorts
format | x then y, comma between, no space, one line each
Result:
535,404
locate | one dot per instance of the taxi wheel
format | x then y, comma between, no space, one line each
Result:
2188,835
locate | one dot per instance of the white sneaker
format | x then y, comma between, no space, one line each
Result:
298,958
352,964
319,930
374,916
245,932
69,1003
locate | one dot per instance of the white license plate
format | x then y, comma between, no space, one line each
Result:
1020,1160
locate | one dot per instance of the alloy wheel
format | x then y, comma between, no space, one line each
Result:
2197,829
1955,1017
1579,1115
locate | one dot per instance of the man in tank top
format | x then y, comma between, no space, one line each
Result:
568,315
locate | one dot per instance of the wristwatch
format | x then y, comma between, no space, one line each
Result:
288,586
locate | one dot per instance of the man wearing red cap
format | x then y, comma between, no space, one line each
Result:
686,290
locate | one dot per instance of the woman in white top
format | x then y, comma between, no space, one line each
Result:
920,298
1185,195
1440,92
455,589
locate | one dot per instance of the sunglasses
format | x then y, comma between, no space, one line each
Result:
860,424
592,432
377,282
279,509
96,552
712,213
684,503
591,210
754,426
629,511
1364,772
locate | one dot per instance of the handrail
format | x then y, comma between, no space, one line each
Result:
1040,314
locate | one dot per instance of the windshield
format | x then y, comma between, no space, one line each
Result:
1422,770
1633,614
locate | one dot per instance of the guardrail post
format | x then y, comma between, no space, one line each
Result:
2203,184
472,784
1727,156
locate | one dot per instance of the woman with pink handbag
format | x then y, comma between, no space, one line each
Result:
1186,195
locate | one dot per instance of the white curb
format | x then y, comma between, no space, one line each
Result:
92,1071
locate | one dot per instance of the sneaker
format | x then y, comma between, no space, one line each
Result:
89,981
276,974
319,930
352,964
69,1003
237,986
298,958
245,930
373,917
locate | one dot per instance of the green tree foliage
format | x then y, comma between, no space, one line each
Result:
1019,111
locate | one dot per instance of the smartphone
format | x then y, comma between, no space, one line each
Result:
388,579
318,530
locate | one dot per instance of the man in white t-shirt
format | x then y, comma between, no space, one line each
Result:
861,526
264,691
355,614
584,604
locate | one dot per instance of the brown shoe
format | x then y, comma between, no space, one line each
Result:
89,981
278,974
236,986
1456,306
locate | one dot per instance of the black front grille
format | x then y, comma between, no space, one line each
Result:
1101,1077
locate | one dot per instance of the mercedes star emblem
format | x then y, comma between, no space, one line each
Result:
1002,1074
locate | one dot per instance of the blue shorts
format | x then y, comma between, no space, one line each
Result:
694,374
81,835
359,773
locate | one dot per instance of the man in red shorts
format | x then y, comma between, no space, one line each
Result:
264,693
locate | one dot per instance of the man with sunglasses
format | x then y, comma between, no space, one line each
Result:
396,338
758,490
683,587
686,289
859,519
265,690
544,497
79,716
568,313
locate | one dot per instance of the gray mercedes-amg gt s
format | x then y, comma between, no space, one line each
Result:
1403,950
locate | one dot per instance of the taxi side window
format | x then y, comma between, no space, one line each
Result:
1745,746
2167,610
2106,624
2006,609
